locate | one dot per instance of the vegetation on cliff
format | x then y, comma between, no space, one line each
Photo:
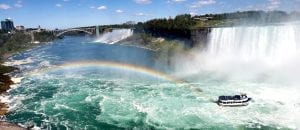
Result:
164,48
20,41
14,43
43,36
177,27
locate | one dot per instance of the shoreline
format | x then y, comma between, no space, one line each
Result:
6,71
5,84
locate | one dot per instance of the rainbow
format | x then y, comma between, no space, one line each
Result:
116,65
126,67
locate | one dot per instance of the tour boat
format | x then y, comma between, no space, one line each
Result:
236,100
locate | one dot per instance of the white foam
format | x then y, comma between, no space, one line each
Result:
62,106
17,80
15,101
4,99
141,108
36,128
18,62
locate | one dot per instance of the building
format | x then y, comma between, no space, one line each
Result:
7,25
20,28
203,18
38,29
129,23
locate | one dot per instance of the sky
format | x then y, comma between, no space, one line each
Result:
74,13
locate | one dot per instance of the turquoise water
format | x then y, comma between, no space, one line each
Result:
104,98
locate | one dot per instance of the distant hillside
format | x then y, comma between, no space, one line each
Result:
245,18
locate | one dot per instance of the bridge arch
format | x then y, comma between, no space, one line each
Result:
73,30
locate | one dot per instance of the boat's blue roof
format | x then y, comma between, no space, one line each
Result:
235,97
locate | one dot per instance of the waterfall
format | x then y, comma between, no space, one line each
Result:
246,52
272,44
114,36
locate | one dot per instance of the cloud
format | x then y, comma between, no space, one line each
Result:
143,1
141,14
176,1
102,7
273,4
58,5
65,0
119,11
4,6
92,7
201,3
18,4
193,13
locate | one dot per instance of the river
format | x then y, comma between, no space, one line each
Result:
80,84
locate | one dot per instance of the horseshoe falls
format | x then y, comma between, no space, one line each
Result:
272,44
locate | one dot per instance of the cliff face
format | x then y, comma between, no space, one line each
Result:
5,82
200,37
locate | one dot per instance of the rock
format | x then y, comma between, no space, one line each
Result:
9,126
5,82
6,69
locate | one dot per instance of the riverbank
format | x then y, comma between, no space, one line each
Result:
11,44
5,82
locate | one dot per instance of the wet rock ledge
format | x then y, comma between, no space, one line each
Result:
10,126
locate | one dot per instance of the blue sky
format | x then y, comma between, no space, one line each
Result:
73,13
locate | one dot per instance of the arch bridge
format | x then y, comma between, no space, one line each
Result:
90,31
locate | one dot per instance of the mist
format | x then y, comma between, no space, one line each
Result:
269,53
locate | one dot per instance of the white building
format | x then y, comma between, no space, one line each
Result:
20,28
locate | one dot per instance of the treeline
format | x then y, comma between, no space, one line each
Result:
117,26
254,17
180,26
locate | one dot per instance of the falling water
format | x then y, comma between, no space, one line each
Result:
271,44
115,36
